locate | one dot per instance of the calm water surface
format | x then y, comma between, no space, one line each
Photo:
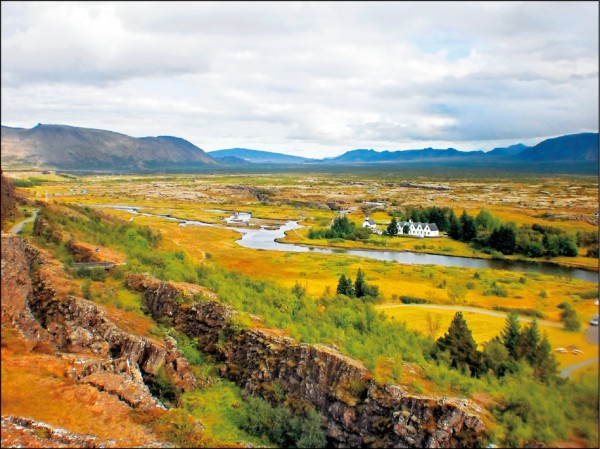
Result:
264,239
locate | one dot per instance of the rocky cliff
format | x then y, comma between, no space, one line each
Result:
101,354
357,411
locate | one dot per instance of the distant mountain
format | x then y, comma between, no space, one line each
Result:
426,154
69,147
256,156
508,151
233,160
571,148
85,149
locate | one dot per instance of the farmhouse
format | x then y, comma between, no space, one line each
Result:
418,229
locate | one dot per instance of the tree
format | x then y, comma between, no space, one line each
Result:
469,230
392,228
570,319
461,346
345,286
359,284
362,289
546,365
504,239
341,227
454,229
496,357
511,334
529,343
486,221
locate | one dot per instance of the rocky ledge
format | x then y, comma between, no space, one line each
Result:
103,355
356,410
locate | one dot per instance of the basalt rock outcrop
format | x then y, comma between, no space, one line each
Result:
18,431
108,358
357,411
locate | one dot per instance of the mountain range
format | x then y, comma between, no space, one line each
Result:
70,147
73,148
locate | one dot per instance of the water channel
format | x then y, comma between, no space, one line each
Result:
265,239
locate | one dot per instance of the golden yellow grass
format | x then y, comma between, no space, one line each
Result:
485,327
170,194
320,271
36,386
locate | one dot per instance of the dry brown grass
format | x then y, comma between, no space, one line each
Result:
36,385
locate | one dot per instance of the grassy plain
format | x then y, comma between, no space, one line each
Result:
568,202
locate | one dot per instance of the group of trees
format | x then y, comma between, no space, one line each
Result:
486,231
441,216
341,228
359,289
502,354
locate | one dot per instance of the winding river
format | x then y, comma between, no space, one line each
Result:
264,239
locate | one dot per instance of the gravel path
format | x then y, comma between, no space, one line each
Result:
17,227
469,309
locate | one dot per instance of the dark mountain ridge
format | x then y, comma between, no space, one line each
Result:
70,147
86,149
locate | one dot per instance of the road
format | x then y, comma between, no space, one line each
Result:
469,309
566,372
17,227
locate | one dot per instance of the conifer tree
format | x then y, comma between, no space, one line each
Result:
345,286
546,365
392,228
454,229
468,228
511,334
529,343
459,342
359,284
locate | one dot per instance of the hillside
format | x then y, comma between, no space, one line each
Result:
256,156
69,147
426,154
508,151
571,148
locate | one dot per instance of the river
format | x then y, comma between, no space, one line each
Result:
264,239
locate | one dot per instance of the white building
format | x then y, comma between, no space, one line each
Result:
239,217
418,229
369,224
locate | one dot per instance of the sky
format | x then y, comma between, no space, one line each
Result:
311,79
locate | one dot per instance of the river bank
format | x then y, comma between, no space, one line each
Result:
581,263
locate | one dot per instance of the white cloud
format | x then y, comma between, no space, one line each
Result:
315,78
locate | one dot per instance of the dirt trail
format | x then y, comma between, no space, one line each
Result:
470,309
17,227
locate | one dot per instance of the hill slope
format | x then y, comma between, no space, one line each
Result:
426,154
570,148
257,156
69,147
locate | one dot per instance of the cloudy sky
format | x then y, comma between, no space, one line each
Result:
306,78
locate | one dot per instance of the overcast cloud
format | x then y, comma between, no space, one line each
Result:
313,79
